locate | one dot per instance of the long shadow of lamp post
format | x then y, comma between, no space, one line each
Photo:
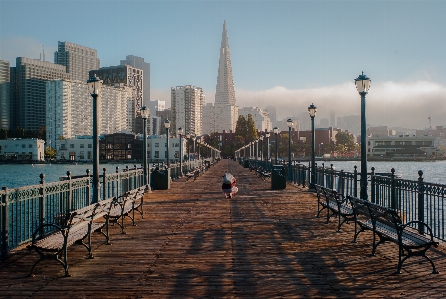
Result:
363,85
276,131
289,123
144,115
94,88
312,111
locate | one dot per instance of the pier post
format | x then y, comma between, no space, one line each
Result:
420,201
4,207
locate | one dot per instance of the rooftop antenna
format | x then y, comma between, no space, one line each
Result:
42,55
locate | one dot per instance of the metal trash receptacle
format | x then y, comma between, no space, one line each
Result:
161,179
278,177
246,163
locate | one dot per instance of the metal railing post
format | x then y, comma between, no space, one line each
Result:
372,185
70,193
104,186
420,201
355,181
42,200
393,203
5,223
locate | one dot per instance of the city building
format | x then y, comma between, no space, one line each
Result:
157,148
224,113
187,107
16,149
139,63
69,110
259,116
332,119
77,59
155,125
4,94
125,75
352,123
28,91
402,146
79,149
379,131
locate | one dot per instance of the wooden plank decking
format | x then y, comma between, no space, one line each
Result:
194,243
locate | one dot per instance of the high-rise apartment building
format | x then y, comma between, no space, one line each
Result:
28,91
4,94
155,125
259,116
69,109
79,60
187,108
139,63
125,75
223,114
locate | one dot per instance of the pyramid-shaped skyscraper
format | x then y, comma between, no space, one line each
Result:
224,113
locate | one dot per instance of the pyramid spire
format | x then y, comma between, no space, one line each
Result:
224,37
225,94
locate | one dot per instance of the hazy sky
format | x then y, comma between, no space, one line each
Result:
285,53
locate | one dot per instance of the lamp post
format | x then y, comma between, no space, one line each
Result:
267,146
256,143
276,131
193,139
94,88
188,149
145,114
167,126
180,132
312,111
363,85
198,141
289,123
261,149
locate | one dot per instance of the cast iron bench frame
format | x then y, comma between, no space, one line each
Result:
387,224
335,203
125,206
51,240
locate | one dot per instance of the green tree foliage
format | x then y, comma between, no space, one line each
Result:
344,141
251,131
3,134
50,152
245,130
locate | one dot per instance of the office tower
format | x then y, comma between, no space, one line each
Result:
79,60
155,125
332,119
125,75
259,116
224,113
4,94
69,109
28,91
138,62
187,104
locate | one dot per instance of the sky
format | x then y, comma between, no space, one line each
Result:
284,53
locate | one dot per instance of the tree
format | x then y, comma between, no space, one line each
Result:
251,131
246,129
345,139
50,152
240,127
3,134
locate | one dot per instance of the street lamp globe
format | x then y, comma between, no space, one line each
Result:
289,123
144,112
276,130
94,85
167,124
362,83
180,131
312,110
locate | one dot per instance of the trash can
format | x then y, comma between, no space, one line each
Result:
246,163
161,179
278,177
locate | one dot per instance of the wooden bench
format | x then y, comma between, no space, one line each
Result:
387,224
125,206
263,173
335,203
51,240
195,173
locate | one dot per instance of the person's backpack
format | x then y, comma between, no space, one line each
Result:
228,178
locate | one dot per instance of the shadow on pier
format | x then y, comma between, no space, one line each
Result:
194,243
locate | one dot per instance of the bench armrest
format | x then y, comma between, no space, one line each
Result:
419,222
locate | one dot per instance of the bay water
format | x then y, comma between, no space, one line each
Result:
19,175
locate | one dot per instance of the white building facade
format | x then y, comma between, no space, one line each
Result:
17,149
260,117
69,110
187,109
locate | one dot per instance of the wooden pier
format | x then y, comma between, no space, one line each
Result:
194,243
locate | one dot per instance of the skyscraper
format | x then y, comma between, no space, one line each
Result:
28,91
4,94
79,60
139,63
187,108
223,114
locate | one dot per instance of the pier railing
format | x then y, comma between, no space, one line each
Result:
24,209
414,200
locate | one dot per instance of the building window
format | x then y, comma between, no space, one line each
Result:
30,146
157,154
82,145
71,145
157,145
23,145
89,155
90,145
